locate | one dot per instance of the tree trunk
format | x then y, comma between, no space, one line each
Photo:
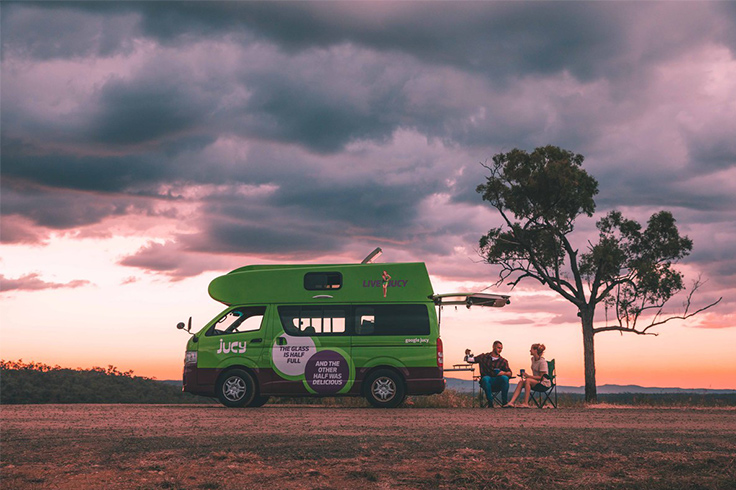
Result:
586,317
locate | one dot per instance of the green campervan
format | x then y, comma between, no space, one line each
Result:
321,330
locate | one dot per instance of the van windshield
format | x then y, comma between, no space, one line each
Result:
237,320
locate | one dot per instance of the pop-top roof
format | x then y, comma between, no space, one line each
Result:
360,283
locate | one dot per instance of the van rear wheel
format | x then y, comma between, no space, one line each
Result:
236,388
385,389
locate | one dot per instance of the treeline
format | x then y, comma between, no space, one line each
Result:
26,383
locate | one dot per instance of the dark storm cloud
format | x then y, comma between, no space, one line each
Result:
300,104
307,215
225,236
372,205
108,174
661,186
152,111
726,11
714,153
496,38
473,36
54,209
307,111
286,103
60,210
521,38
28,31
323,209
144,110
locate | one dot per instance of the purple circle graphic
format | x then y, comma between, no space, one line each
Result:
327,372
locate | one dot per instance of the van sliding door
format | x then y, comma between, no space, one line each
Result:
311,352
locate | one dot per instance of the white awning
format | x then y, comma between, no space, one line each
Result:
471,299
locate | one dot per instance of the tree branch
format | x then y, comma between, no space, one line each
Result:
573,254
622,329
616,282
631,327
543,275
684,316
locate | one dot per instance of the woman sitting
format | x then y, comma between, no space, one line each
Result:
536,381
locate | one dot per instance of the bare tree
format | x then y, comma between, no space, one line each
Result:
629,269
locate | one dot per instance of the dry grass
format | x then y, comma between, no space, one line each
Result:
211,447
454,399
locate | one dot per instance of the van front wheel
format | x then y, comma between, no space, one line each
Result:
385,389
236,388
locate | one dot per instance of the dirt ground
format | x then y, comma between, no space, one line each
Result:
313,447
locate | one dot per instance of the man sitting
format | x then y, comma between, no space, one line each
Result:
494,372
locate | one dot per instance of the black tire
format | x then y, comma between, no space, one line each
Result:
236,388
259,401
385,389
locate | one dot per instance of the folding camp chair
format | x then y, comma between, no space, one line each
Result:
482,399
540,394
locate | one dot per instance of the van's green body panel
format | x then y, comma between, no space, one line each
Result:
333,362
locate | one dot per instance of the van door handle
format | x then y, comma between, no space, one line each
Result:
256,341
281,341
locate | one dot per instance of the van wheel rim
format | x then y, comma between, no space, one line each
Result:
234,389
384,389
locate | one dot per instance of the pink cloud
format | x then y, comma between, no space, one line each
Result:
129,280
15,229
32,282
174,260
715,320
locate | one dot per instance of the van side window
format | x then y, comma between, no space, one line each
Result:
392,320
313,320
238,320
319,281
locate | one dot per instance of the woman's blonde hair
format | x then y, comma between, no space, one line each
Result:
539,348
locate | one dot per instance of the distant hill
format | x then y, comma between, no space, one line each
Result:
26,383
466,386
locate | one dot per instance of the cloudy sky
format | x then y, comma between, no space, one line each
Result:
149,147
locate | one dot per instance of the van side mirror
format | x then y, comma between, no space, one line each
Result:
187,327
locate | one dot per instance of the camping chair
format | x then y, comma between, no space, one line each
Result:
482,400
540,395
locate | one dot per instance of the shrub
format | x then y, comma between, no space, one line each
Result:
32,382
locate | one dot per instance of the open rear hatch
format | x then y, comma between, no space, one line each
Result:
471,299
468,300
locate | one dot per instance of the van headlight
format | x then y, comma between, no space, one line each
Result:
190,357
